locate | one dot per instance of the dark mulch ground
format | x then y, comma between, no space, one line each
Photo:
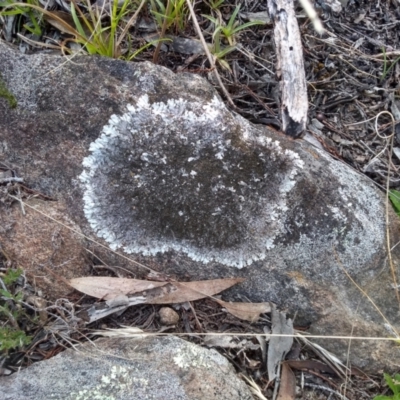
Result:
353,76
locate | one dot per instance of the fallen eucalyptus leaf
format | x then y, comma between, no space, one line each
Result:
279,346
108,288
190,291
246,311
287,388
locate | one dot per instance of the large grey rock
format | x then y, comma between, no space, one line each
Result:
120,369
188,188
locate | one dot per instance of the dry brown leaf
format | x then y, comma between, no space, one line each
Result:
62,21
108,288
246,311
190,291
287,388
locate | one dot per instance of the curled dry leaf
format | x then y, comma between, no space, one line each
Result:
246,311
62,21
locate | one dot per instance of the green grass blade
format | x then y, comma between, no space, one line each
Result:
225,51
394,196
390,383
247,25
233,17
77,23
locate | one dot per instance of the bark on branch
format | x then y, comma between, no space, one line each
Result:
289,67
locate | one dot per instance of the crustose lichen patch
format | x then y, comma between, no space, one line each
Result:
189,177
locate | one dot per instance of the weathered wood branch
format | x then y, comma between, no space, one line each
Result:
289,67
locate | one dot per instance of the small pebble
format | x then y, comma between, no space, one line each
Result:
168,316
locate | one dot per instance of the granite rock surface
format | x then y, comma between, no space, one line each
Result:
154,165
129,368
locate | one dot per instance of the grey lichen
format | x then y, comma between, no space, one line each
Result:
188,177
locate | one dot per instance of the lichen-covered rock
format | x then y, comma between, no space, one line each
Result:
163,171
190,177
120,369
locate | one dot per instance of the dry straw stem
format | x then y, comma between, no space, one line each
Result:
390,140
270,335
209,55
130,22
267,335
254,388
312,14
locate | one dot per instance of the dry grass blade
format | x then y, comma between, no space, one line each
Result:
209,55
254,388
340,369
131,21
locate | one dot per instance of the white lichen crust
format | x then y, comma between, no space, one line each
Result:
188,177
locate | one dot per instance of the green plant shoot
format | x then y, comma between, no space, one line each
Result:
394,385
394,196
231,29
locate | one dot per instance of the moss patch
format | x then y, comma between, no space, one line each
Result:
4,92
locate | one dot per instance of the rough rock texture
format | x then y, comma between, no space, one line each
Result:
40,244
119,369
190,177
253,203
